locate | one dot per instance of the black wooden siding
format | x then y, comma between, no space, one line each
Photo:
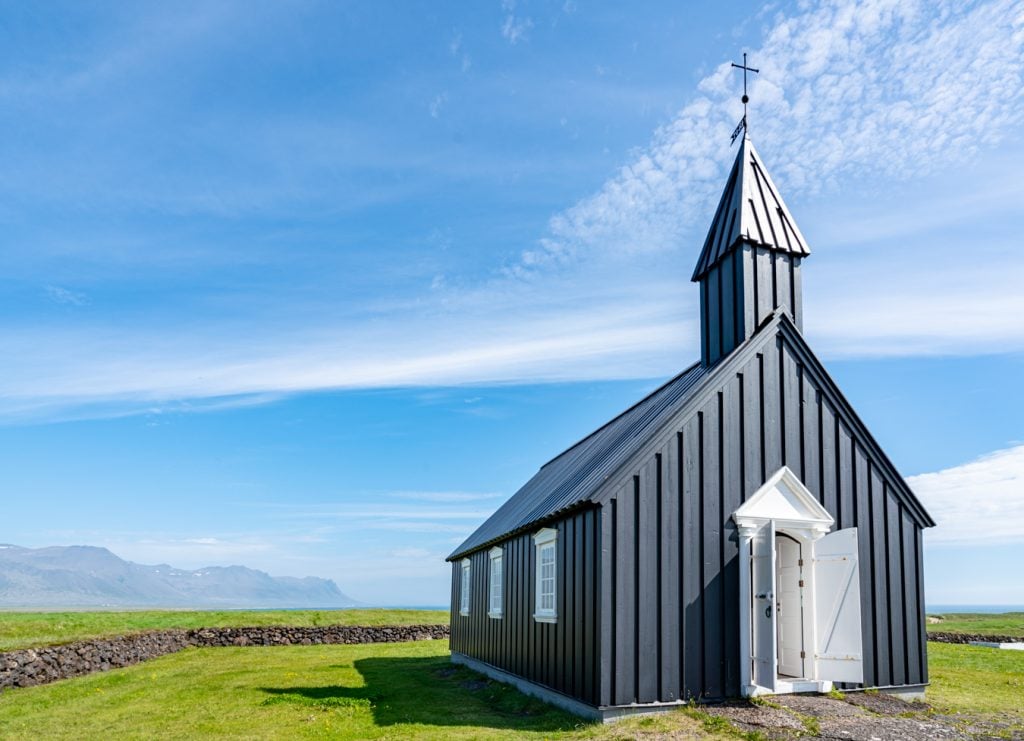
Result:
773,410
741,292
650,612
561,655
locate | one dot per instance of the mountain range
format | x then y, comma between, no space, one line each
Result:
87,576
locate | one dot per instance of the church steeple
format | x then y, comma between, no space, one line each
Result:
750,264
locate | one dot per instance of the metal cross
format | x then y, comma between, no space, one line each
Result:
746,99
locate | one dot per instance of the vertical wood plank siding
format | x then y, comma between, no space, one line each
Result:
709,463
740,292
649,579
562,655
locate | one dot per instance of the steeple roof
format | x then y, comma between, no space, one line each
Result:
751,210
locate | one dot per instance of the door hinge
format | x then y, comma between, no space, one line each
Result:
801,583
800,562
803,654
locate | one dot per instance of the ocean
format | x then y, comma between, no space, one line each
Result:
939,609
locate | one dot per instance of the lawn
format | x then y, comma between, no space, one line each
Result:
369,691
400,690
975,679
33,629
1005,624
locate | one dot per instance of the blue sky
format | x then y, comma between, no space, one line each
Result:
313,287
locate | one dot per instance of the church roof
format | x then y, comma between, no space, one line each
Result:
751,210
577,474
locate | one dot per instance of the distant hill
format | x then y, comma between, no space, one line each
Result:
86,576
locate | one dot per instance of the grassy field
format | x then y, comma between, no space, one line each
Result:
377,691
30,629
400,690
974,679
1006,623
371,691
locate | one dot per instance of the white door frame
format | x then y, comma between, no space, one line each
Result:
787,506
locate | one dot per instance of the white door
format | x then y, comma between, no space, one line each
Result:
837,617
762,606
789,606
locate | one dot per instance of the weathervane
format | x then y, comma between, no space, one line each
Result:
742,125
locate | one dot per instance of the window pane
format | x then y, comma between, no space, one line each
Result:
546,578
496,584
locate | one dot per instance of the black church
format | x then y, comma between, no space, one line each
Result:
738,532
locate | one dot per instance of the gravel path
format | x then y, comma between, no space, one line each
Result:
860,716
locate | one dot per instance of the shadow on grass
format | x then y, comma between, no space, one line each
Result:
429,691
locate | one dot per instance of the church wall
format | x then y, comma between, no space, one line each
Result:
649,576
670,604
563,655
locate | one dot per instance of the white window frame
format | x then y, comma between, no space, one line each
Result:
465,585
495,583
542,541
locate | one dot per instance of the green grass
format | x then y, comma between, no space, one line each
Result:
1006,624
401,690
369,691
974,679
32,629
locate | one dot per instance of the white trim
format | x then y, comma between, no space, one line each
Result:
787,507
545,539
465,587
495,554
786,500
545,535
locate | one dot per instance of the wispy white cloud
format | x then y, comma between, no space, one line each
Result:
977,503
116,369
972,311
190,551
884,87
133,45
455,514
515,27
445,496
437,104
847,90
458,50
60,295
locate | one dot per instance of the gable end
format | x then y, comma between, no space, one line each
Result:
775,334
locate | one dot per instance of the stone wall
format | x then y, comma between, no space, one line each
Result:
941,637
27,667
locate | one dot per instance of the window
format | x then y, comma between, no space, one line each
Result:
546,543
496,584
464,589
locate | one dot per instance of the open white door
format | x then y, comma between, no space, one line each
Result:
789,606
838,652
762,624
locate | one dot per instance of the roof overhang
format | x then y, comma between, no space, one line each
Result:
785,500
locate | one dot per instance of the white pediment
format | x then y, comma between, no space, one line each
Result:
786,500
